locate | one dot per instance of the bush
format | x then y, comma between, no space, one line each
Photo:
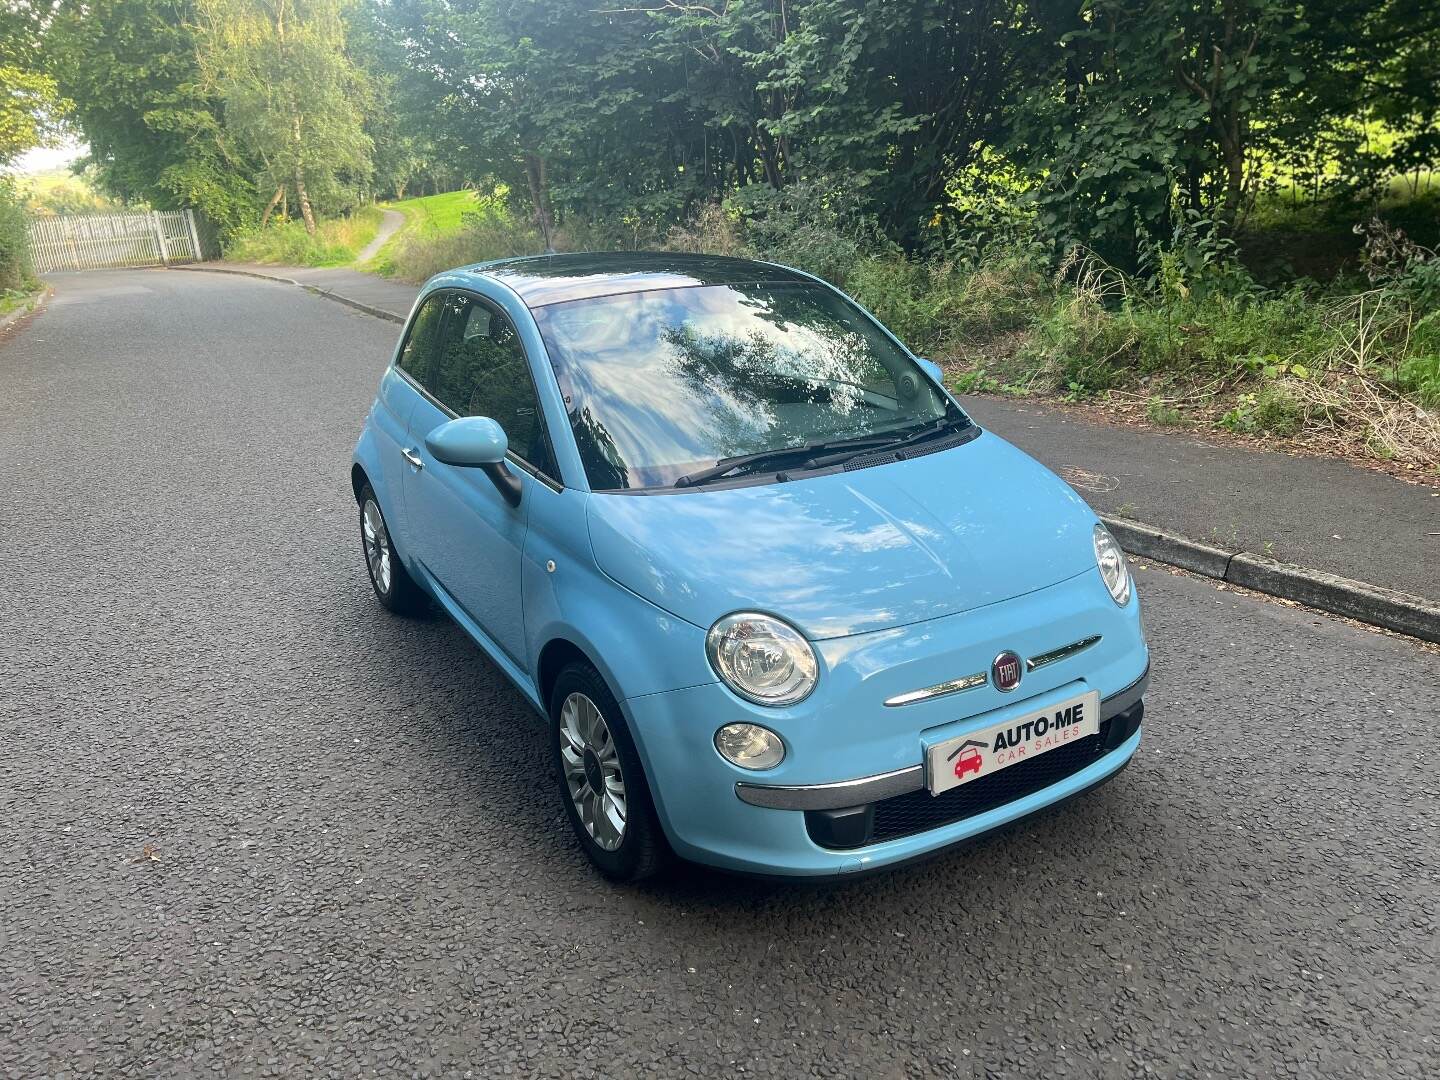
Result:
14,249
1419,376
336,241
1274,410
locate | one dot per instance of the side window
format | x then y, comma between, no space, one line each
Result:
481,370
417,357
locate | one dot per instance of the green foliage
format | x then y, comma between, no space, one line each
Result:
14,252
154,130
336,242
978,381
291,96
1273,410
442,213
28,106
1419,376
1158,412
63,192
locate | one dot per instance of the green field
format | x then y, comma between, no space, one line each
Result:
436,213
450,229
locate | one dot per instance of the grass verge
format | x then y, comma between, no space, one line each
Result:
336,241
449,230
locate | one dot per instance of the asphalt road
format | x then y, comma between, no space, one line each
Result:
254,825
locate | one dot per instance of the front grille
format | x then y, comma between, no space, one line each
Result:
919,811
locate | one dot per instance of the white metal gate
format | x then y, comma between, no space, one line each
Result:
94,241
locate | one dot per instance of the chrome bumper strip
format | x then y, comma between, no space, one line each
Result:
1062,653
868,789
954,686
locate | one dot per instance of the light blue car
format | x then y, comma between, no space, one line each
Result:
785,608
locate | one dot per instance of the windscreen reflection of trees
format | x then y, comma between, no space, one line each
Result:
739,382
806,367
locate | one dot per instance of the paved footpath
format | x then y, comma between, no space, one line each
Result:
1319,513
253,825
390,223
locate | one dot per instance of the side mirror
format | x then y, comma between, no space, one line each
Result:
476,442
468,441
932,369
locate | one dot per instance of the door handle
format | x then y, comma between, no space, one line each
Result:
412,457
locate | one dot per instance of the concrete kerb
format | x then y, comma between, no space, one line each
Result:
1397,611
31,304
368,309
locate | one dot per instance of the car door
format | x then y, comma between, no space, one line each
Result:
467,535
392,414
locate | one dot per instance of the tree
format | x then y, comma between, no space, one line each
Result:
154,130
28,103
291,94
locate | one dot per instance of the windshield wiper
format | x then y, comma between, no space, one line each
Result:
725,466
826,448
895,442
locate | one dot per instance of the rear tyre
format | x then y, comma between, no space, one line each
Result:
394,587
602,783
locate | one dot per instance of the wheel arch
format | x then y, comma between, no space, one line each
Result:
358,479
555,656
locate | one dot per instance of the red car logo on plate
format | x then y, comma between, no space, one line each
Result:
1005,671
968,762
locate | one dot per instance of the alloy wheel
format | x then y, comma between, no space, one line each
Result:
593,775
377,545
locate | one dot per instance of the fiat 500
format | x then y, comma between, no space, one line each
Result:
763,578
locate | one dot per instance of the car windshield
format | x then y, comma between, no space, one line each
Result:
661,384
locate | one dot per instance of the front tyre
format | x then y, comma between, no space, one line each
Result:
394,587
602,783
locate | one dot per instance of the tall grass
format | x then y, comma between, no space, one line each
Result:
336,241
1193,339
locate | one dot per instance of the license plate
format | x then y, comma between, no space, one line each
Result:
978,754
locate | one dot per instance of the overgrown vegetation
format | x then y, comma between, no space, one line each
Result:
1191,337
1152,203
15,276
336,241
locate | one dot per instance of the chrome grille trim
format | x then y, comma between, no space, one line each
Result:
1056,655
954,686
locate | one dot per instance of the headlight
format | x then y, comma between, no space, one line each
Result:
1111,561
762,659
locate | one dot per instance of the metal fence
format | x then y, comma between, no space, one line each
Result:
95,241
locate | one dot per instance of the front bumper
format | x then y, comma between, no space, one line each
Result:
849,796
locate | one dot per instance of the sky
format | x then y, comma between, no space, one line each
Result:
49,157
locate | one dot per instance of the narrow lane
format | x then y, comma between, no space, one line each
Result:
253,824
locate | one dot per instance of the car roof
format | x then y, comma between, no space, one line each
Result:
553,279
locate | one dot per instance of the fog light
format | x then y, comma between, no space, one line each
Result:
750,746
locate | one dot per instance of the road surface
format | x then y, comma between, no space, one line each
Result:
255,825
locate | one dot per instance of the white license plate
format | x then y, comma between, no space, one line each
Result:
979,753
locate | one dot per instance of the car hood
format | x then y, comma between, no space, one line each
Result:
851,552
